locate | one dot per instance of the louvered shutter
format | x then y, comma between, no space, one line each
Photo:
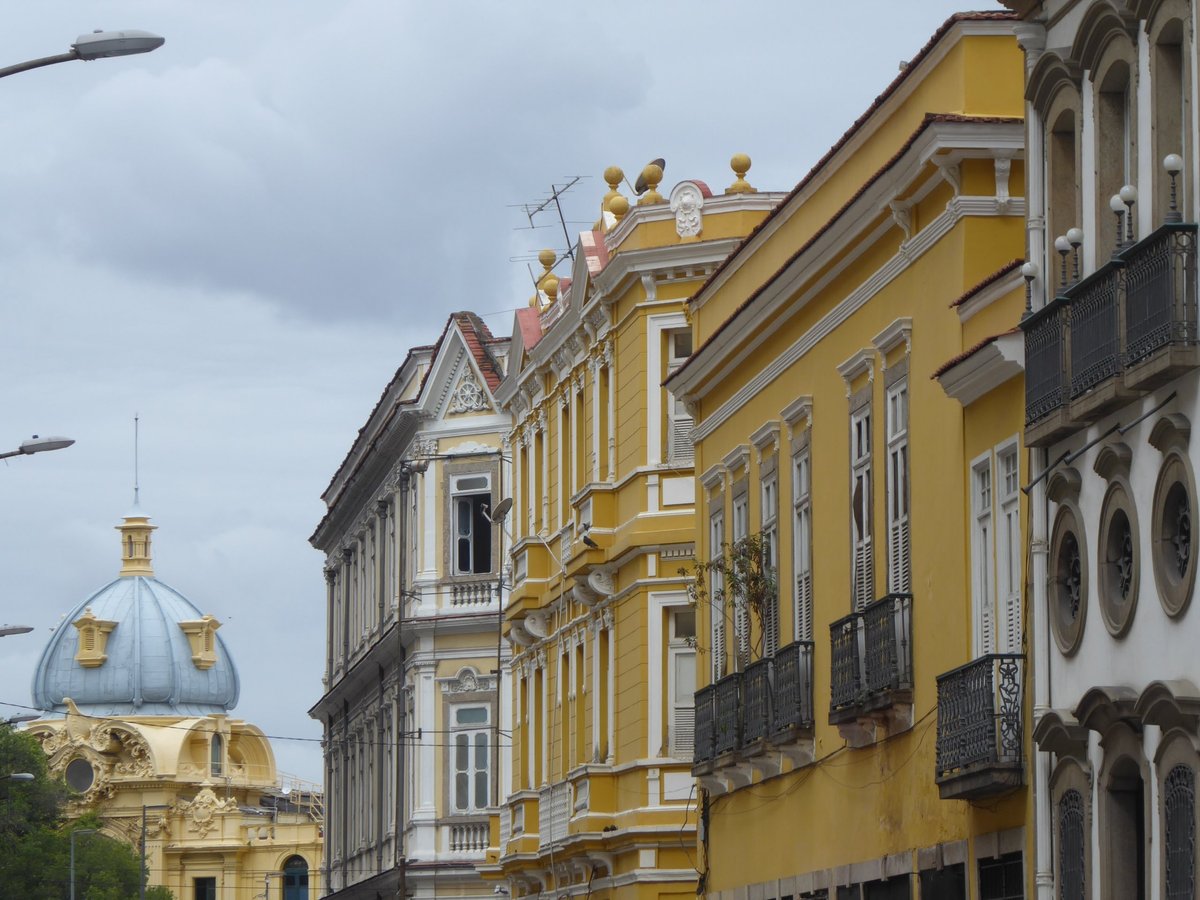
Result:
864,573
1011,601
680,449
899,560
804,606
683,710
718,638
771,626
741,629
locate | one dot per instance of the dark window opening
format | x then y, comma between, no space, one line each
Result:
948,883
472,534
1001,878
204,889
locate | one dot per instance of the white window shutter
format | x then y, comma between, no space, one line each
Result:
680,449
683,732
899,558
718,640
804,606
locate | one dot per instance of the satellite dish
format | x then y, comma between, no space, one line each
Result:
501,510
640,187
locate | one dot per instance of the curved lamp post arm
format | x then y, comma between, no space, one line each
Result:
38,63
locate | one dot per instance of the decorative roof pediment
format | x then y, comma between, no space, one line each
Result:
1059,732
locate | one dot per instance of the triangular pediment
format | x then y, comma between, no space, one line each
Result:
456,386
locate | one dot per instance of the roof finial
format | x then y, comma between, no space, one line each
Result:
135,459
740,163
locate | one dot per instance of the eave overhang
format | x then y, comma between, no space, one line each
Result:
983,368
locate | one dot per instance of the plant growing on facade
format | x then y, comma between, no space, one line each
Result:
741,586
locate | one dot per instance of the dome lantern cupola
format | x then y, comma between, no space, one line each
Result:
135,544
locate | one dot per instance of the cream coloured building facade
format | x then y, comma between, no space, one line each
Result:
414,750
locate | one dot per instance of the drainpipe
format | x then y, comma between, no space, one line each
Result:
1039,553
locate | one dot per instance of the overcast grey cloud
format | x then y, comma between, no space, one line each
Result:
239,235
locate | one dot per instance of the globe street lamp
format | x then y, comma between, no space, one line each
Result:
38,445
97,45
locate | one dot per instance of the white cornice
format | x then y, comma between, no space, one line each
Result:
985,369
713,477
765,437
890,337
760,201
799,410
737,459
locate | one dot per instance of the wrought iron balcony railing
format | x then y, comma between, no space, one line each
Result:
728,703
980,731
1095,348
1126,328
756,701
771,700
705,733
791,691
1160,292
871,657
1046,371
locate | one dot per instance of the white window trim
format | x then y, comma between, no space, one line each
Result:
802,544
769,526
486,729
656,394
862,594
983,559
899,571
1008,639
659,602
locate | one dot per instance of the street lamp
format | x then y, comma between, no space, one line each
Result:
73,833
6,630
38,445
17,776
97,45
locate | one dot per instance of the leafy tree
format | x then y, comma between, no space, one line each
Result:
739,579
35,841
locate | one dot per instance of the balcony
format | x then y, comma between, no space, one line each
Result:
1127,328
980,731
871,669
767,709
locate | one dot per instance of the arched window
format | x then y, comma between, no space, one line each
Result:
216,755
1168,79
1179,810
1114,151
1071,846
295,879
1062,175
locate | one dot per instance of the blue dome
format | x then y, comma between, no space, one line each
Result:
137,648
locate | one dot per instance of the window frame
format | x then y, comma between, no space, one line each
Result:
862,552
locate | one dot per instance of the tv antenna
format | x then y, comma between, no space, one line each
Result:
533,210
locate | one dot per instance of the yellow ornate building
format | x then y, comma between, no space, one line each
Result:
602,800
141,687
857,392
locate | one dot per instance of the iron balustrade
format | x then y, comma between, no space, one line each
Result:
705,734
791,692
887,626
1046,371
756,696
870,656
979,714
728,704
1095,317
846,679
1160,291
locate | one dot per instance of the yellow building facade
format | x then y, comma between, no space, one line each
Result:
857,395
602,800
139,686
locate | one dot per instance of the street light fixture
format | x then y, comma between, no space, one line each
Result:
38,444
17,776
97,45
73,833
6,630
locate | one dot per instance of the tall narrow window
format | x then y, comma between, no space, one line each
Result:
1179,815
741,615
216,756
1072,872
471,500
770,562
1062,183
679,421
1114,151
471,758
802,545
1008,551
681,669
717,607
1168,78
863,575
899,551
982,550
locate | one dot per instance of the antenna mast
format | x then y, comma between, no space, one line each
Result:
135,459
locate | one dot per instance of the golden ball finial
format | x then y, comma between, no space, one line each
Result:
740,163
547,258
550,286
619,207
613,176
652,175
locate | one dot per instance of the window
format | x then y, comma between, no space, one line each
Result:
679,421
1179,813
982,550
1069,585
996,548
863,575
899,553
802,544
204,888
470,758
1008,550
716,544
1072,837
741,615
1171,533
681,662
471,500
946,883
216,755
1002,878
770,542
295,879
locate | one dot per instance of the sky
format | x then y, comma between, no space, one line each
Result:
238,236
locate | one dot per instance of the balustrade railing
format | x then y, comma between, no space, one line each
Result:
469,837
1046,372
472,593
1095,317
887,626
979,714
705,734
846,682
728,704
792,694
1160,291
554,813
756,701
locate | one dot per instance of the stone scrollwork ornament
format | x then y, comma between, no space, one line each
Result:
687,201
468,397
